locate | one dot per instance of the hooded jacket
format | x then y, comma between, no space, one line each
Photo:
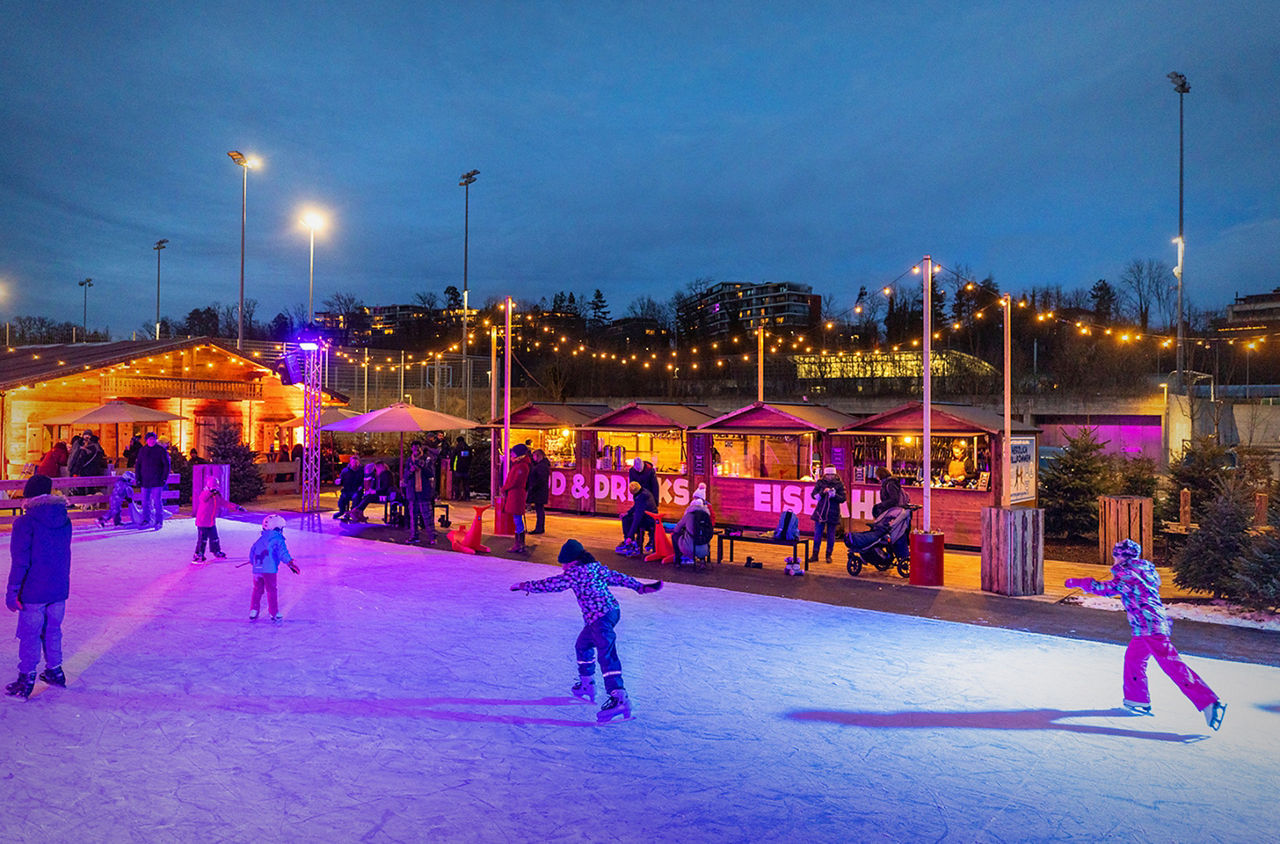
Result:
207,506
53,461
1136,583
40,553
514,495
827,510
539,484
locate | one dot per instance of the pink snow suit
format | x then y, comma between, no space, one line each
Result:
207,508
1136,583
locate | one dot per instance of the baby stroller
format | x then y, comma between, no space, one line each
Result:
886,544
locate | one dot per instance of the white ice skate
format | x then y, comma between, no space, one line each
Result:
618,705
585,688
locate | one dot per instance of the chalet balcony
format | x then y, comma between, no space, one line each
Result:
181,388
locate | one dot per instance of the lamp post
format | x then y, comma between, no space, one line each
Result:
1180,85
245,164
158,247
84,324
312,221
465,182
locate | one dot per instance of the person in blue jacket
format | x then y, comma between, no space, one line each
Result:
268,553
39,584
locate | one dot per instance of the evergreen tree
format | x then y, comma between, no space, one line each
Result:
597,311
246,482
1257,573
1135,476
1203,467
1206,561
1071,486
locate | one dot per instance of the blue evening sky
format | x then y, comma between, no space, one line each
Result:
632,147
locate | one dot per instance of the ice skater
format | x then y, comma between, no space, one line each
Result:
1136,583
268,553
590,582
207,507
39,584
121,500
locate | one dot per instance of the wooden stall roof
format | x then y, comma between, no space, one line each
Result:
779,418
539,414
25,366
652,416
945,419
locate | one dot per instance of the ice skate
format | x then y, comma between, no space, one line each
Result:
618,705
219,555
54,676
1214,713
253,615
1138,708
197,558
22,687
585,688
623,547
278,619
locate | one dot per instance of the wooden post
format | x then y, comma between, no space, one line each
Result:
1184,507
1260,509
1012,550
1124,517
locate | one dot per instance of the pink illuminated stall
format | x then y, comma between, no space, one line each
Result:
654,432
764,458
965,465
557,429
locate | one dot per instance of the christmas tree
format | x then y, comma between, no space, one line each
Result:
1206,561
246,482
1071,485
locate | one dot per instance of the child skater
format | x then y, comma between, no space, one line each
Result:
207,507
121,500
267,555
39,584
590,582
1136,583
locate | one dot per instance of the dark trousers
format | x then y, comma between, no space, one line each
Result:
598,641
424,509
636,528
210,535
540,517
461,486
344,500
827,529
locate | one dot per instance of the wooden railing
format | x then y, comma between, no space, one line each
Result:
291,471
93,491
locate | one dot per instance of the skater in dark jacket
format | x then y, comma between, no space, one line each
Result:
1136,583
350,479
539,489
121,501
39,583
590,582
152,468
830,494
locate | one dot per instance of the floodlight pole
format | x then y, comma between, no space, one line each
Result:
466,180
158,247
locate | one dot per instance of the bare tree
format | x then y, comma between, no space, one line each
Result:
1146,284
428,299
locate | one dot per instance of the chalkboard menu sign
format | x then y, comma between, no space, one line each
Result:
698,451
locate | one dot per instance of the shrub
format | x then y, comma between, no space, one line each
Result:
1206,562
1256,584
1203,466
1134,476
246,482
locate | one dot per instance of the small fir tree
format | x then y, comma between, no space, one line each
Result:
1204,465
246,482
1257,575
1135,476
1071,485
1206,561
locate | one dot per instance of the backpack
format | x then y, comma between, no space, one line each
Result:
788,528
702,530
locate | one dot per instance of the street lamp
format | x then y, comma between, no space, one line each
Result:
465,181
159,246
312,221
84,325
1180,85
245,164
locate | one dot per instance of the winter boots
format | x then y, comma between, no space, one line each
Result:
618,705
22,687
585,688
197,557
54,676
519,547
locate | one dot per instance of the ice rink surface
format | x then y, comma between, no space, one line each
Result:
409,696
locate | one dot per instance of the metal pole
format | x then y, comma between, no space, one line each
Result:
466,181
1006,453
1180,85
159,246
366,379
493,407
760,364
311,279
244,209
927,271
506,392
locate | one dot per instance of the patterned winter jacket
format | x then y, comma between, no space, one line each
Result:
590,582
1137,584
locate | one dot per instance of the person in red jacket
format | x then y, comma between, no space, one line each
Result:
207,506
53,461
514,495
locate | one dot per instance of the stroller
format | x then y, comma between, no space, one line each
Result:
885,544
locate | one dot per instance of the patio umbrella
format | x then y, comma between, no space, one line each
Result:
328,416
399,418
112,413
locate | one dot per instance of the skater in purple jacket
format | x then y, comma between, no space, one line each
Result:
590,582
1136,583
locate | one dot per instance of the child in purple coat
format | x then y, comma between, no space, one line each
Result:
590,582
1136,583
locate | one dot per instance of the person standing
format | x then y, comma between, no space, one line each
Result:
131,451
643,473
268,553
39,583
461,466
830,494
420,491
891,493
515,493
152,469
538,490
54,460
350,480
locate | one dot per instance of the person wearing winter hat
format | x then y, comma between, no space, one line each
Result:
39,583
830,494
590,581
1136,583
207,507
643,473
121,498
637,524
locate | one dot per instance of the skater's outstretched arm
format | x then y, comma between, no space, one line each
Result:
558,583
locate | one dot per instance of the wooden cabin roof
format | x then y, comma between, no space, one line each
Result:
944,419
779,417
653,416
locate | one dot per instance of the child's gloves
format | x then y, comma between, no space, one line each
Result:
12,602
519,587
294,568
646,588
1077,582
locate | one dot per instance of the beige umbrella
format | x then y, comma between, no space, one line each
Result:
328,416
399,418
112,413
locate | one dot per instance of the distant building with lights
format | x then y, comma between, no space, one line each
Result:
1257,310
733,307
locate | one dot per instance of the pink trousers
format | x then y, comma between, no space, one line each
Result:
1141,648
267,583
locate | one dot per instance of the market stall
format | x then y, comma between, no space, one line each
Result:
654,432
557,429
964,467
762,459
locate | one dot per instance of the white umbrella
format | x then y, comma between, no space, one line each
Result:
328,416
111,413
399,418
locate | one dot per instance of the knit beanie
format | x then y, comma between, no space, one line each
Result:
571,552
1128,549
37,485
519,449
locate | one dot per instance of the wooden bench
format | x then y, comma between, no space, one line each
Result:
765,539
89,503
